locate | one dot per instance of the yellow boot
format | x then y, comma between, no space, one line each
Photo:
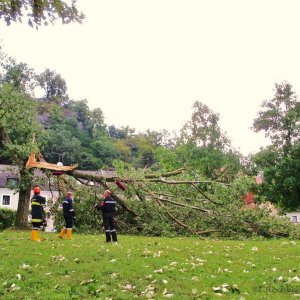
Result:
69,234
35,236
62,233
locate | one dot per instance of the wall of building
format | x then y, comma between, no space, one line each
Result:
14,199
294,216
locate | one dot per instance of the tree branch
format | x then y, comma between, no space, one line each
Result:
182,181
205,196
167,174
183,205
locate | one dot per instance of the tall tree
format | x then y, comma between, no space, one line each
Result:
280,118
20,75
97,127
54,85
120,133
18,123
203,129
39,12
161,138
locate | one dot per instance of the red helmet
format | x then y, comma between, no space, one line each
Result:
37,190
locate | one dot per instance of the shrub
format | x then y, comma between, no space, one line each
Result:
7,218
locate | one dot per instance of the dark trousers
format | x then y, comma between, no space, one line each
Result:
109,226
68,221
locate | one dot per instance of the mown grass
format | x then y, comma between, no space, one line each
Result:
146,268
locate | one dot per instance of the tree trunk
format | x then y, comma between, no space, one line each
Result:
24,199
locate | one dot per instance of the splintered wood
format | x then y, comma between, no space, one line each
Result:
33,163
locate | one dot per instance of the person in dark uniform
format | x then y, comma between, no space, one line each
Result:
38,214
108,207
69,214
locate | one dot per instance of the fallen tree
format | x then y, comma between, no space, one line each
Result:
151,203
137,187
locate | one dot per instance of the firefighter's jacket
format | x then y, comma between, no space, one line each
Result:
37,209
68,209
109,205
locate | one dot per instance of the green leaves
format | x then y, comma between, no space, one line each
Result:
280,118
203,129
40,12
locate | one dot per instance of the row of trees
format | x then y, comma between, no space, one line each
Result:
67,130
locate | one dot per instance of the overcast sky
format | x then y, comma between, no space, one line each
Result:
145,63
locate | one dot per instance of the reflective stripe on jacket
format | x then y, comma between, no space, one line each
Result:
109,204
68,207
37,209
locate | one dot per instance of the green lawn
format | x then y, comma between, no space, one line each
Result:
147,268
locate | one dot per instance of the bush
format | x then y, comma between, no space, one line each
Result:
7,218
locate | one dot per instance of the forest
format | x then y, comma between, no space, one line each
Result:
192,182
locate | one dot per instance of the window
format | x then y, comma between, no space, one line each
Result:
294,219
6,200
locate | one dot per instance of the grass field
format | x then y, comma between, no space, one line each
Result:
147,268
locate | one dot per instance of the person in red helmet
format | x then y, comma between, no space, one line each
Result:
108,213
37,212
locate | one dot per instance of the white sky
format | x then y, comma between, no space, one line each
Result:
144,63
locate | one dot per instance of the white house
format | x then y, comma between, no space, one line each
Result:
9,177
9,198
294,216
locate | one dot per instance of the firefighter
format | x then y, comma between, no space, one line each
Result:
108,213
69,215
37,213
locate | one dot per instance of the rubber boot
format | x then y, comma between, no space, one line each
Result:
108,237
62,233
38,236
69,234
35,236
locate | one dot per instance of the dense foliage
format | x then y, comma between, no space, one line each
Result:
7,218
280,120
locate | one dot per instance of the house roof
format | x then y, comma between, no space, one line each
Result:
8,171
